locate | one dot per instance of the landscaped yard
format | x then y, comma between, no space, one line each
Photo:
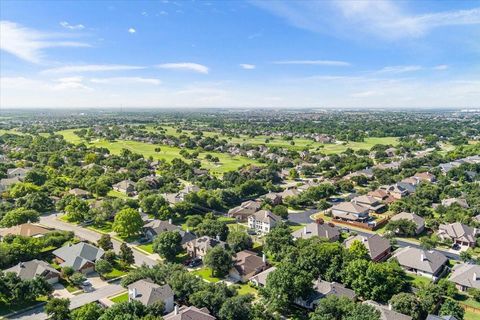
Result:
206,274
4,309
119,298
247,289
115,273
148,247
417,280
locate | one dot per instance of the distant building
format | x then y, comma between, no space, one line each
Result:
246,209
25,230
321,230
323,289
126,186
386,312
198,248
20,173
260,279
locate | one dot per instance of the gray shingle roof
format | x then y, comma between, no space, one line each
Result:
375,244
148,292
316,229
30,269
78,255
386,313
419,259
467,275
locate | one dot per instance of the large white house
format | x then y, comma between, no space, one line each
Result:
263,221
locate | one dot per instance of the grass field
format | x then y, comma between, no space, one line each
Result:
206,274
167,153
120,298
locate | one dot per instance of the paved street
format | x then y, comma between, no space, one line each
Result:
52,222
77,301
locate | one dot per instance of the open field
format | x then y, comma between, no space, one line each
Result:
167,153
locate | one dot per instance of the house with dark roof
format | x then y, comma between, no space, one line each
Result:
35,268
273,198
378,247
150,293
246,209
419,221
189,313
430,264
197,248
350,211
459,233
318,229
155,227
466,276
387,312
246,265
81,257
322,289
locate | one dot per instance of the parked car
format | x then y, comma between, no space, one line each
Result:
456,246
195,263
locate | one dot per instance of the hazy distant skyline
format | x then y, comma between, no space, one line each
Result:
285,54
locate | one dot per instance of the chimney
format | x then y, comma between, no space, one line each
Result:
389,306
422,257
264,258
22,265
176,310
132,293
170,220
475,278
305,230
217,237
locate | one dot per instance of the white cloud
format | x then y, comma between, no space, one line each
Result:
69,26
247,66
316,62
131,30
189,66
29,44
386,19
400,69
126,80
92,68
440,67
70,83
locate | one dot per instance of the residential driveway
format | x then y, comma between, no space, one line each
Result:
78,301
302,217
59,291
52,222
95,280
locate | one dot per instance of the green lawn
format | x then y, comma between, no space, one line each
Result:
417,281
147,247
469,315
117,194
105,228
247,289
120,298
115,273
206,274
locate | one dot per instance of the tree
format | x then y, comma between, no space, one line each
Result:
287,283
77,278
408,304
90,311
126,254
358,250
127,222
105,242
281,211
236,308
102,266
58,309
132,310
157,205
168,244
293,174
219,260
77,209
278,239
342,308
213,228
465,256
239,240
452,308
110,256
402,227
18,216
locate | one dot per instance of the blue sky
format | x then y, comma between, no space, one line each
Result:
321,54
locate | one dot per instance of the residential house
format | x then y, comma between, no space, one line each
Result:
382,195
8,182
155,227
435,317
150,293
25,230
35,268
350,211
125,186
371,203
246,265
461,202
291,191
263,221
20,173
318,229
260,280
77,192
322,289
466,276
425,177
273,197
386,312
81,256
419,221
396,190
189,313
378,247
430,264
197,248
459,233
246,209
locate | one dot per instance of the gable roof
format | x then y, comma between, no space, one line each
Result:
324,288
124,184
419,221
322,230
467,275
33,268
350,207
78,255
375,244
261,278
419,259
189,313
148,292
458,230
265,216
247,262
387,313
159,226
25,229
205,243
